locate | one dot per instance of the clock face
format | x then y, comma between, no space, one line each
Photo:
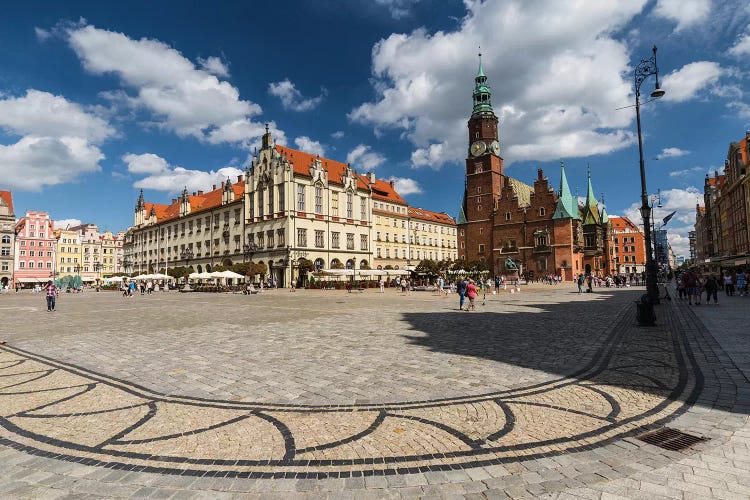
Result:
478,148
495,147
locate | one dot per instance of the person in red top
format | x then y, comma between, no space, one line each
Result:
471,292
51,295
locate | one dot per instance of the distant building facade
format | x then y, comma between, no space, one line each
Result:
628,246
7,239
69,252
722,224
35,249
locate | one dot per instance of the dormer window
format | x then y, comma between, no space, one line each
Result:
541,212
507,216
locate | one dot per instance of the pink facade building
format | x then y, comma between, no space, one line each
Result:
34,249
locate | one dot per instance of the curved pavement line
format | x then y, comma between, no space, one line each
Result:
223,438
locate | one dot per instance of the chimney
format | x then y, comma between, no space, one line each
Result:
747,134
200,193
213,188
193,193
392,183
371,177
239,178
539,174
174,200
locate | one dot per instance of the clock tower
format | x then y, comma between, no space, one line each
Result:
484,174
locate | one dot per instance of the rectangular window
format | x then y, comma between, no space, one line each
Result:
31,263
377,251
301,202
282,205
5,251
271,207
363,242
349,205
363,209
318,239
237,216
350,241
318,200
334,204
251,206
481,248
302,233
280,237
261,240
5,266
261,201
21,264
335,240
31,253
226,218
269,234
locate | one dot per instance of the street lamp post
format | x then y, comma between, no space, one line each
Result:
646,68
655,199
97,267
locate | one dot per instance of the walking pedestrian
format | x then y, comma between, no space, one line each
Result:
712,287
51,290
728,284
741,283
461,289
382,285
471,292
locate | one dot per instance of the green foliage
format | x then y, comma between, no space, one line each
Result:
305,265
337,265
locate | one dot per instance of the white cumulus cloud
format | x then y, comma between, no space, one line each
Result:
671,153
307,145
405,186
685,13
687,82
742,45
363,158
161,176
58,140
423,80
681,200
397,8
182,98
66,223
291,98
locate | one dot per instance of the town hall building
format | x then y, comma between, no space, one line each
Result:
514,227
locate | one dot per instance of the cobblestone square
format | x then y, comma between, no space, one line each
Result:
320,393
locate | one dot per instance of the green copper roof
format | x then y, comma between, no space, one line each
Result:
482,95
461,219
591,209
605,217
567,207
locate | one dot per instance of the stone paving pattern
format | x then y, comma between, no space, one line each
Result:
388,375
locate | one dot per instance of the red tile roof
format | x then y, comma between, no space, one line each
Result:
384,191
335,169
623,224
437,217
8,197
198,202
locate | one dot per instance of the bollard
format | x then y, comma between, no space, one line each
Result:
644,313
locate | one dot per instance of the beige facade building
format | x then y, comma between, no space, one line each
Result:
406,235
69,254
299,206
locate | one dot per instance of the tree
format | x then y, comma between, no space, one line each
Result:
227,263
243,268
260,268
305,265
459,264
337,265
428,267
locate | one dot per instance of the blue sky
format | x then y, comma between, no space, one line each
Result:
98,100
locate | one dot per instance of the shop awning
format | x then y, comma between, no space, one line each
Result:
32,280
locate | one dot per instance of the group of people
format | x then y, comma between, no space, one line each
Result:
691,285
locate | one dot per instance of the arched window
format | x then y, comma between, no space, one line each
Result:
350,264
6,239
363,263
319,264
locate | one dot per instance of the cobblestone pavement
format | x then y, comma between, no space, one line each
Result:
328,394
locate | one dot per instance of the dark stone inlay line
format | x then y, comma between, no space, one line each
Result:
25,414
373,426
286,434
20,373
381,460
616,409
44,373
563,408
87,388
472,443
182,434
145,418
508,426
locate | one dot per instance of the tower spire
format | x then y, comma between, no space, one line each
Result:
591,210
566,205
481,95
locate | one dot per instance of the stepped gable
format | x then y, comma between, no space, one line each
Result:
335,169
198,202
